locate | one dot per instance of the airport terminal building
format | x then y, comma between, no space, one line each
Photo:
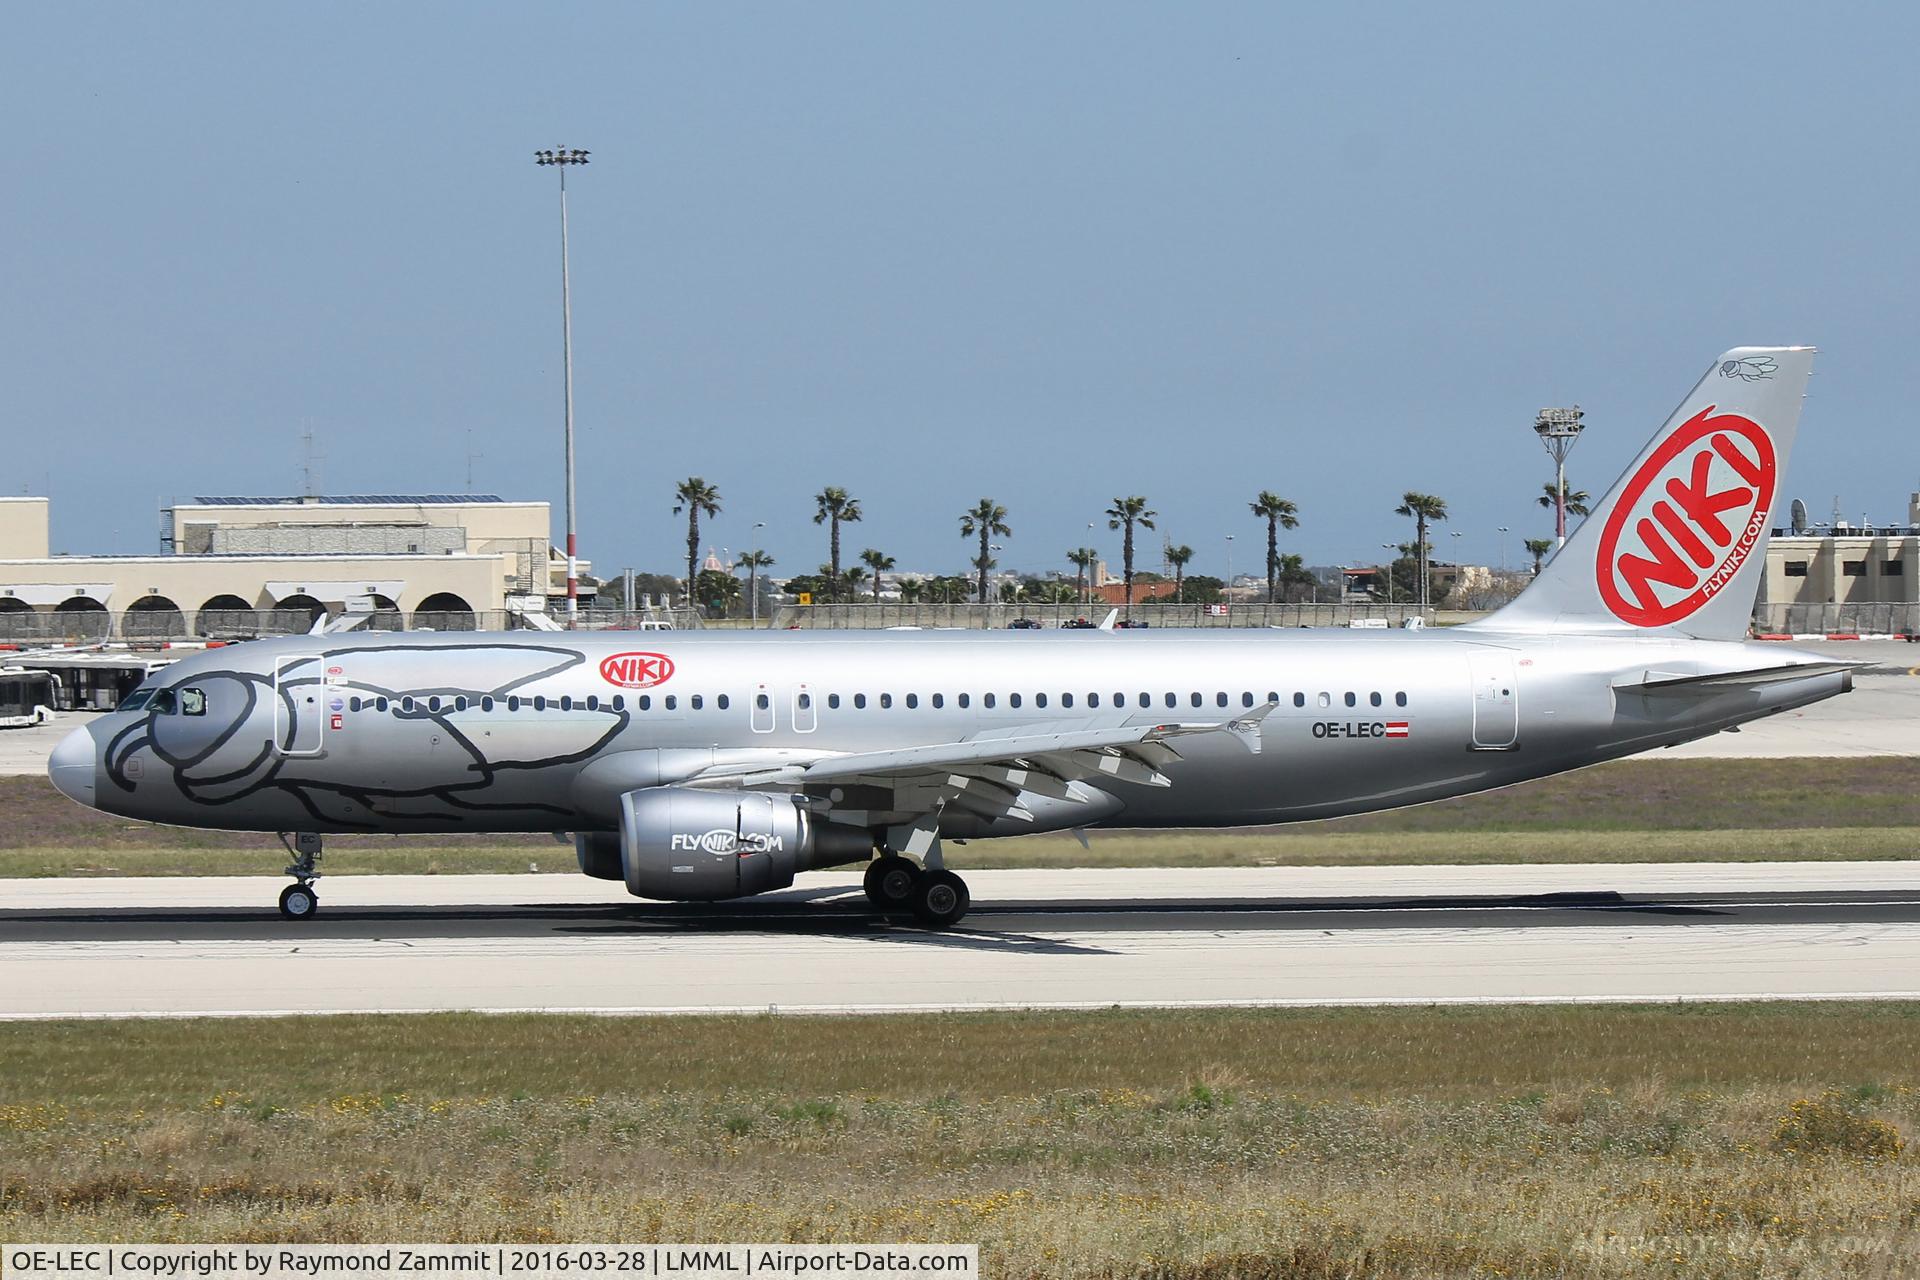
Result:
1840,577
232,567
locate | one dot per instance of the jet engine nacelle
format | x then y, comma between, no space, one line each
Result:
681,844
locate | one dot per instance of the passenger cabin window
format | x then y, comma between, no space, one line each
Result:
1351,700
1013,699
1299,699
913,701
1399,699
939,701
486,702
1246,699
833,701
1173,701
1039,699
619,702
593,702
987,700
193,702
886,702
1326,699
1066,700
859,702
698,701
673,702
965,700
1194,698
1093,699
1146,699
1220,699
645,702
1374,698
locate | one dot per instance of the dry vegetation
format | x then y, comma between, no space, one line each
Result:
1700,1141
1636,810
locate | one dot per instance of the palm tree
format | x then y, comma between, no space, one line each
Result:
1082,559
1278,513
879,564
1424,508
694,496
753,562
1179,557
1125,513
833,508
981,563
988,519
1576,499
850,582
1538,547
911,589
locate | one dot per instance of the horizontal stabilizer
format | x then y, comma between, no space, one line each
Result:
1713,681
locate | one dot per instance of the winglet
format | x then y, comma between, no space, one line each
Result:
1106,623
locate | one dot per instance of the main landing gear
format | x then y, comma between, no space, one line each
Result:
298,901
936,897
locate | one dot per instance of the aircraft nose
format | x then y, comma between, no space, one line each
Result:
72,765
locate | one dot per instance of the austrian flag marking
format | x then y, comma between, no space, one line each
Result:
636,670
1687,519
1396,728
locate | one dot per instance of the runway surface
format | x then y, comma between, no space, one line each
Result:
1245,936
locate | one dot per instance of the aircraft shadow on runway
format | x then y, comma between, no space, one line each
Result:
1004,926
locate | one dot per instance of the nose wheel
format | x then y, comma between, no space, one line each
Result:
298,901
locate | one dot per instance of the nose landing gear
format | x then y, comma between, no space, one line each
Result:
298,901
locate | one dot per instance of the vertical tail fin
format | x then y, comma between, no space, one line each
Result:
1680,541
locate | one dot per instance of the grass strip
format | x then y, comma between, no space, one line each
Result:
1716,1141
1630,811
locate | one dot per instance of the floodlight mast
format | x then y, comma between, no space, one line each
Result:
1558,430
560,158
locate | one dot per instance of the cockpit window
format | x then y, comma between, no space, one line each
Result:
163,703
136,700
193,702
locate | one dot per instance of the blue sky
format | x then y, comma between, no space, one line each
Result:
1048,253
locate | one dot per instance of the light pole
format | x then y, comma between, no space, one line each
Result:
1558,429
753,586
1388,546
560,158
1503,548
1229,560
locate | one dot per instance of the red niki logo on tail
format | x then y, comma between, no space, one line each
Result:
1688,519
636,670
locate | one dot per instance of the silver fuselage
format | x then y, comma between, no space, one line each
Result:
491,732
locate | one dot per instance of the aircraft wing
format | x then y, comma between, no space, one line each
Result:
989,771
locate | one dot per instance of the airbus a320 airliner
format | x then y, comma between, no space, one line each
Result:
718,765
